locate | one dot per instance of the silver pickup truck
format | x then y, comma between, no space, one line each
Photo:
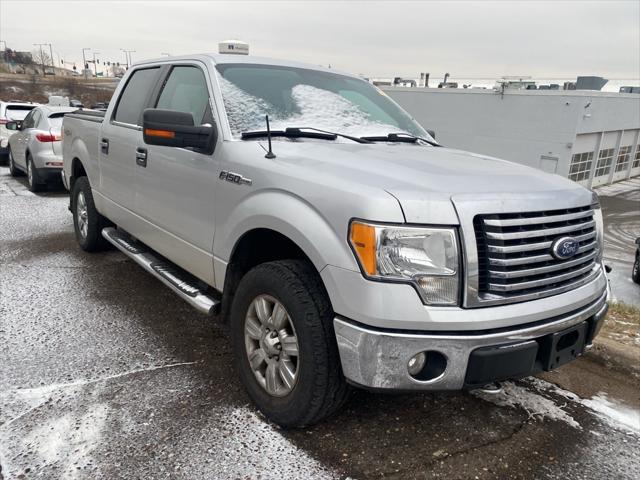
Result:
342,244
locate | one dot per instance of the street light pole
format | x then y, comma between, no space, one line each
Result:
95,65
84,63
126,59
130,52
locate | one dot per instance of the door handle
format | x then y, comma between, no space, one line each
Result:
141,157
104,146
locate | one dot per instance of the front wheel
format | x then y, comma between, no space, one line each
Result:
635,274
284,344
87,222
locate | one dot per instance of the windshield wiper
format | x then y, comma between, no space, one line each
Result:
301,132
400,138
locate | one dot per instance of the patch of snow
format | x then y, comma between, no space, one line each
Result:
536,405
310,107
619,414
610,411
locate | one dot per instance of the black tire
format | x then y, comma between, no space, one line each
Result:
635,273
33,179
14,171
320,388
92,241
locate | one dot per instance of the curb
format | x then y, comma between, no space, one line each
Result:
615,355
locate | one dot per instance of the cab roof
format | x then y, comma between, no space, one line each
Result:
225,58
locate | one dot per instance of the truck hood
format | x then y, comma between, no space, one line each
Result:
430,182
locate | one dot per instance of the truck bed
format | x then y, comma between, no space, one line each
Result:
89,115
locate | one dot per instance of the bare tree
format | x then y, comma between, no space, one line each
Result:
42,58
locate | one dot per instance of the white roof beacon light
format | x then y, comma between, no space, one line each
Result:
233,47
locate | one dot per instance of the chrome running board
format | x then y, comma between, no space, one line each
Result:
182,283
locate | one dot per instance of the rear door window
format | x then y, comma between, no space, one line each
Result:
186,91
134,97
17,112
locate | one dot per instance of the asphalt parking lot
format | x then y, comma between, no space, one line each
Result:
104,373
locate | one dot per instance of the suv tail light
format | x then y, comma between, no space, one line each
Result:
4,121
47,137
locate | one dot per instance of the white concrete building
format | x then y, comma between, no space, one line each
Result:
589,136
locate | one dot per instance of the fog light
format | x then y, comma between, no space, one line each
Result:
427,366
416,364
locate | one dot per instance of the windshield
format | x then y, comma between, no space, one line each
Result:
300,97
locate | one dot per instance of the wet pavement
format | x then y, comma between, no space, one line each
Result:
621,212
104,373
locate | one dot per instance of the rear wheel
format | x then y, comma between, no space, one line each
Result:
635,274
13,170
35,184
284,344
87,222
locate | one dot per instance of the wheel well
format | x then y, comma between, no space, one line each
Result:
253,248
77,171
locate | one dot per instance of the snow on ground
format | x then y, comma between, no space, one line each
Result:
537,398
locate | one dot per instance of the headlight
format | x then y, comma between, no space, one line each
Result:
597,216
427,258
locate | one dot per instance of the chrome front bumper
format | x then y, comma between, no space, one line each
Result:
378,359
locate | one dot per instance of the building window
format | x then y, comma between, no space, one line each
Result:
580,166
624,156
636,161
605,159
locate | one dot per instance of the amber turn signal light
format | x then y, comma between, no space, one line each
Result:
363,240
159,133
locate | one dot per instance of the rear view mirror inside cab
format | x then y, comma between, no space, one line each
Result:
171,128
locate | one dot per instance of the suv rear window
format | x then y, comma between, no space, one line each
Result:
18,112
133,99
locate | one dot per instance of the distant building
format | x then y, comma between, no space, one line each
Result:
588,136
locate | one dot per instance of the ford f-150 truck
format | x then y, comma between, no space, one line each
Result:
343,245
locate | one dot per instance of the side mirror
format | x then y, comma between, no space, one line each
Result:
170,128
12,126
432,133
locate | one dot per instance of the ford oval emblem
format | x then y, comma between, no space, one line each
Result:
564,248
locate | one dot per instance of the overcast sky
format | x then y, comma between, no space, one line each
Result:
544,39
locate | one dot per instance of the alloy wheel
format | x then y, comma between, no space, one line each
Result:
81,215
272,345
30,172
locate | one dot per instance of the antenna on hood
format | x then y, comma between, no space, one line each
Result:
270,153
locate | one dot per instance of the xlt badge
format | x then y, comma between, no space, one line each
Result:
235,178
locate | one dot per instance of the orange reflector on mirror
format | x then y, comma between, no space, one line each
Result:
159,133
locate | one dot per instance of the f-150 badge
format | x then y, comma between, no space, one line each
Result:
235,178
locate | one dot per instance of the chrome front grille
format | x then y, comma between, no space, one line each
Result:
514,253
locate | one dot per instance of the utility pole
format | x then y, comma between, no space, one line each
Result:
41,54
84,63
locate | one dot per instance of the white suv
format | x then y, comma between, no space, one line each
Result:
11,112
